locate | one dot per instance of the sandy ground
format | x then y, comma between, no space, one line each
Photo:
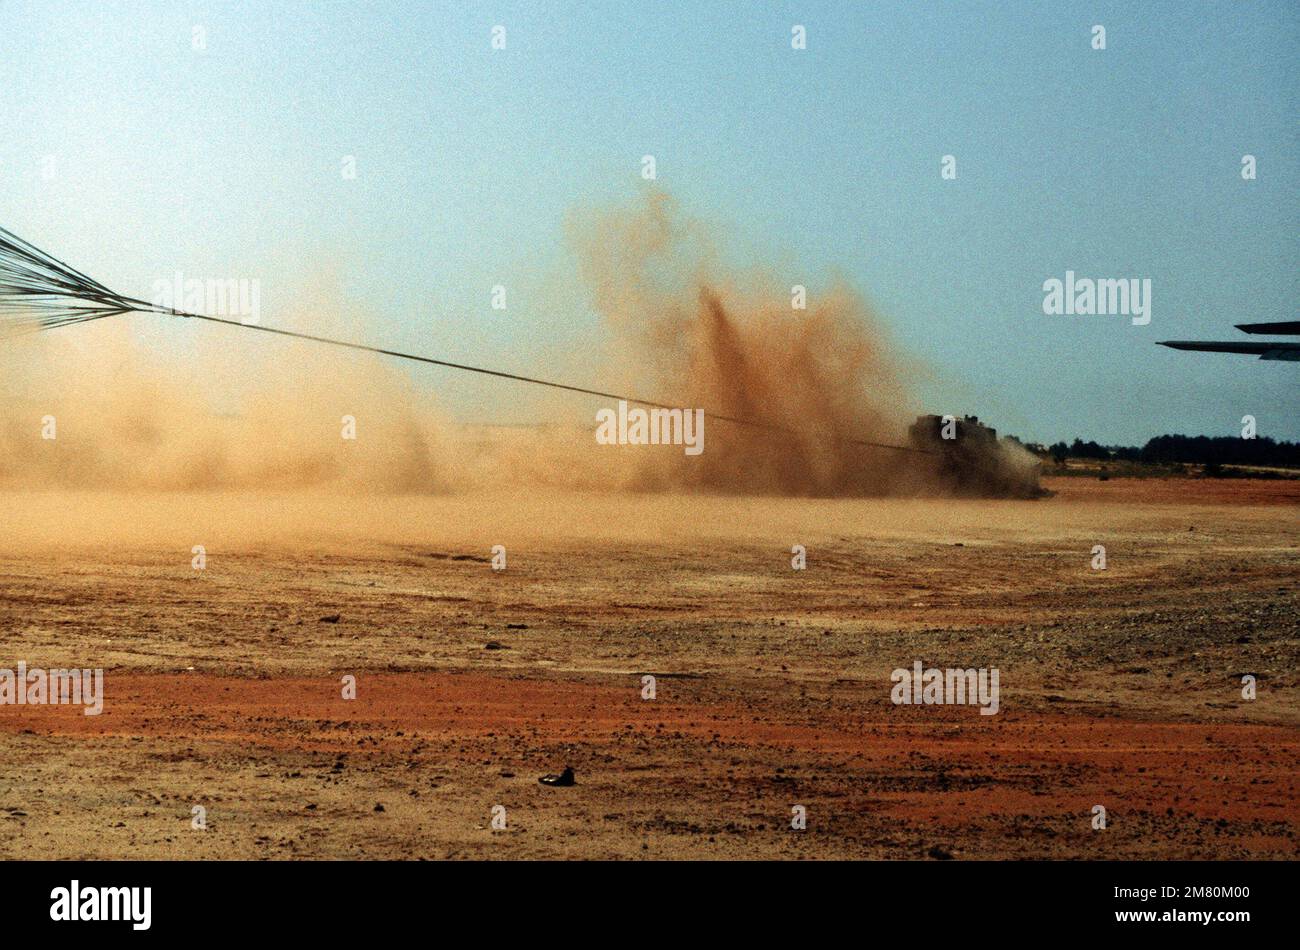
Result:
1119,688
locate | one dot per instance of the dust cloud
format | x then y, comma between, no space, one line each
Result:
684,328
208,410
160,404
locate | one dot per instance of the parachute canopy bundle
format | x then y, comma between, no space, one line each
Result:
40,292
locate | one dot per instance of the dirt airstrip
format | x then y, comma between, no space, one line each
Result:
223,686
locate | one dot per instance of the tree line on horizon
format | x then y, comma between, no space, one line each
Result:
1212,451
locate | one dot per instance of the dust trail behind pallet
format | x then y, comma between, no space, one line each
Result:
130,408
680,322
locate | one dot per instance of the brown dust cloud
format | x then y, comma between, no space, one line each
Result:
233,409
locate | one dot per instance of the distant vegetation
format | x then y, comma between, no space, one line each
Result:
1217,457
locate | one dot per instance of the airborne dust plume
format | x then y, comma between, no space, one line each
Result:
675,325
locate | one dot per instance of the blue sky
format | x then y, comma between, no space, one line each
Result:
1116,163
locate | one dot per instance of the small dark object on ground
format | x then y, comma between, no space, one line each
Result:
564,779
330,618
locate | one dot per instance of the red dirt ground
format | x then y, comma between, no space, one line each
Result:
223,688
